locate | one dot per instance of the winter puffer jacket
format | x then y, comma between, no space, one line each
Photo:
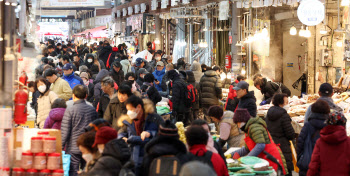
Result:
104,53
165,81
44,107
97,89
73,80
159,76
232,100
312,127
210,87
114,110
179,96
104,102
152,92
115,154
248,102
191,80
268,89
197,71
160,146
74,121
117,77
126,66
53,121
280,127
331,155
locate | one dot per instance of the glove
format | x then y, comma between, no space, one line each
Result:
263,103
228,156
236,156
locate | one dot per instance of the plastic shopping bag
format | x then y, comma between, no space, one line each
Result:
66,163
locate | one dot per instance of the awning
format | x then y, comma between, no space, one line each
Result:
98,32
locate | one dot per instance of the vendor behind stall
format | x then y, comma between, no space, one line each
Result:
258,140
269,88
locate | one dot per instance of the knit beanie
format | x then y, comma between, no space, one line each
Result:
168,129
104,135
241,115
336,118
172,74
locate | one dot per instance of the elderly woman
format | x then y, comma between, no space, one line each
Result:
45,100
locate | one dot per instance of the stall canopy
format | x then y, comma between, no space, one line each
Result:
98,32
50,30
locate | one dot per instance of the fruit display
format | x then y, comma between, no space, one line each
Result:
181,131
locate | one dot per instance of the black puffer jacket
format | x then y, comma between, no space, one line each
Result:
152,93
118,77
140,81
192,80
248,102
114,156
90,97
104,101
279,125
210,87
165,80
313,127
178,96
163,145
104,53
268,89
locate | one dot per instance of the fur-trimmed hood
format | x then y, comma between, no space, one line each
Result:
148,108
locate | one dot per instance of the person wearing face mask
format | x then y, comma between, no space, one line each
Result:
89,154
246,98
45,100
158,75
280,127
117,73
70,77
141,74
58,48
130,76
125,64
115,153
58,85
139,126
85,77
258,141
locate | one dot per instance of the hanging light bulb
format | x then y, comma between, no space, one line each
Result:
302,32
339,43
323,30
307,33
243,71
293,30
345,3
265,32
157,41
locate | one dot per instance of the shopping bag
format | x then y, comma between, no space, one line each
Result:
294,154
66,163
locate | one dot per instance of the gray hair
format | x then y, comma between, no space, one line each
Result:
83,68
107,81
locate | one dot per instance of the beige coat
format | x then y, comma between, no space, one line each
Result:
44,107
62,89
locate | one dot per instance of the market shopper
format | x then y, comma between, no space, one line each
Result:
269,88
232,100
126,66
51,51
229,131
70,77
165,79
149,91
97,89
141,63
117,73
332,151
89,154
105,52
139,127
107,87
74,120
195,106
35,96
197,71
58,85
54,120
158,75
45,100
132,77
310,133
279,124
326,92
258,141
140,76
114,152
86,79
197,139
246,98
211,91
116,106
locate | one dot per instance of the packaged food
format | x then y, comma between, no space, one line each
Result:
53,161
5,171
45,172
40,161
16,171
32,172
36,145
43,133
58,172
49,144
27,160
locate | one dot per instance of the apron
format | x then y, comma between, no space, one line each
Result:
271,148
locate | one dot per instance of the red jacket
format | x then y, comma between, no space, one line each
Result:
331,155
218,162
231,94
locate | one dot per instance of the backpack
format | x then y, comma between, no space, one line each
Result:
167,165
191,94
305,157
206,158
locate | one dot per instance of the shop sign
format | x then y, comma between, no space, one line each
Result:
125,12
71,3
118,13
154,4
164,4
311,12
289,64
236,66
143,8
137,8
129,10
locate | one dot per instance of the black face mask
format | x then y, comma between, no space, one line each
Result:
243,127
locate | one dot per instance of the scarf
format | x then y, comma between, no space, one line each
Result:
139,123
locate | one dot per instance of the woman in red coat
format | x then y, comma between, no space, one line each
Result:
331,155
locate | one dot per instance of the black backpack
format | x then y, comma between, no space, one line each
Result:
206,158
167,165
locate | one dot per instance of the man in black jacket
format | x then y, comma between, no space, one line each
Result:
247,99
268,89
140,76
73,123
117,73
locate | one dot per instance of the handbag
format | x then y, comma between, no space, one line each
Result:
294,155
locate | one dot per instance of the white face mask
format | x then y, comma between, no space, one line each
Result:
158,58
60,47
87,157
89,60
286,107
42,88
73,50
100,150
86,83
132,114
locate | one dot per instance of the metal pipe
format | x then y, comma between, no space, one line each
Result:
190,42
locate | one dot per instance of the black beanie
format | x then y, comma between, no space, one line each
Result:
168,129
172,74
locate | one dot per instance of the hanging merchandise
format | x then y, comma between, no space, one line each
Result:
311,12
224,8
228,61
